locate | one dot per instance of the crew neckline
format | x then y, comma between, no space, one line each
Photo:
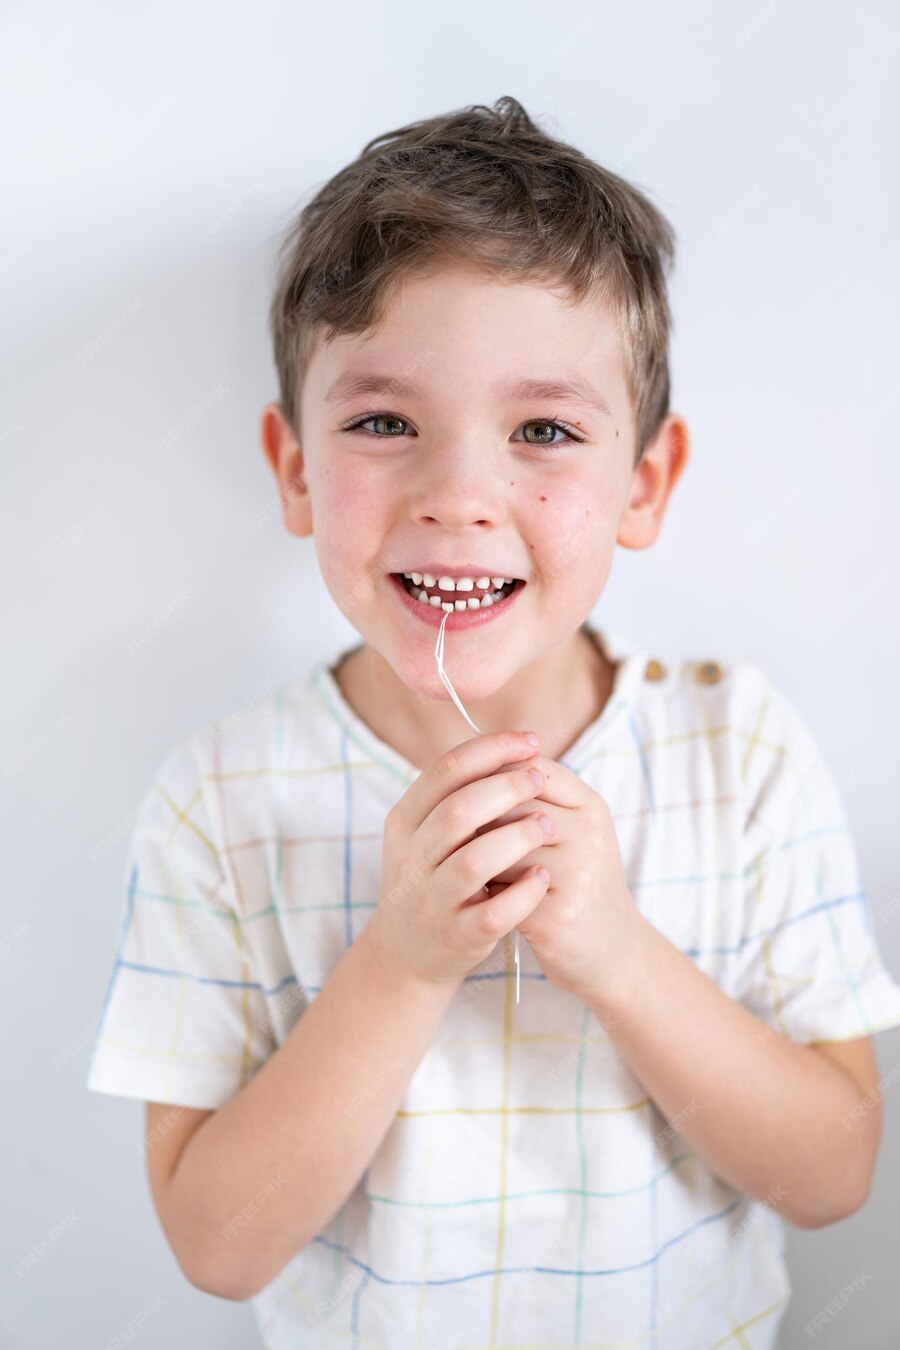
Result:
630,666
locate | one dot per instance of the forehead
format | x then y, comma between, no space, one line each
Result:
444,324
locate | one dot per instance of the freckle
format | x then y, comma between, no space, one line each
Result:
543,499
617,431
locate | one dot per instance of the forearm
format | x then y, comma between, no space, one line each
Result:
765,1113
270,1169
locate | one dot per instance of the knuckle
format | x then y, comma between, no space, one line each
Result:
488,920
455,812
471,864
447,763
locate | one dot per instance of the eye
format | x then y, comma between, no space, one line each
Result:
569,435
391,419
393,428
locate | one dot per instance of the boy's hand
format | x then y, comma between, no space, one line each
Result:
433,915
579,929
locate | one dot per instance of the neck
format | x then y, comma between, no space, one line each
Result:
421,729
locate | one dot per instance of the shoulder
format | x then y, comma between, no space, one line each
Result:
251,744
727,698
253,730
726,724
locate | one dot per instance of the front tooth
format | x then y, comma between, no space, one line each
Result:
427,579
487,600
435,600
460,604
498,582
416,578
465,584
473,603
446,583
448,606
483,583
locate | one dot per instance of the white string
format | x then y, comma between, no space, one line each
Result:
439,657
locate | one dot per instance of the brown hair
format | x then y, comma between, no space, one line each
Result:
488,187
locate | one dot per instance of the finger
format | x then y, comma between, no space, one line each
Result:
561,785
465,763
503,912
471,867
455,822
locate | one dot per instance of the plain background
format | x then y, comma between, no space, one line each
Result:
152,159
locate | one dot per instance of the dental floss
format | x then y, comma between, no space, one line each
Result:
439,657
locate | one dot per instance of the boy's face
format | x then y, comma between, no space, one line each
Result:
445,474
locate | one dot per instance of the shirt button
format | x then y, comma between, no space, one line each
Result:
654,670
709,672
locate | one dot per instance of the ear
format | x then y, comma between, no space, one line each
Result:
285,457
657,473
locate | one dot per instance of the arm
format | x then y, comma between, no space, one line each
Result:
260,1177
782,1122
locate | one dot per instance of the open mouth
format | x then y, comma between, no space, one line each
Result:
460,600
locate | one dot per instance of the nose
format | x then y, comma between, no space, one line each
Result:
457,483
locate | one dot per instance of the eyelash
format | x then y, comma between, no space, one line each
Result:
571,437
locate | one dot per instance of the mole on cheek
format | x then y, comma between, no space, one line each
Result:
543,499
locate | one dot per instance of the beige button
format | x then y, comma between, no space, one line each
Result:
709,672
654,670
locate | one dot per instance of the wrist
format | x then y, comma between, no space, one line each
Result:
397,975
619,986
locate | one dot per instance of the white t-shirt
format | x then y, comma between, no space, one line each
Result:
528,1191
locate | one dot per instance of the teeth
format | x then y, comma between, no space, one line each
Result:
457,585
472,603
460,584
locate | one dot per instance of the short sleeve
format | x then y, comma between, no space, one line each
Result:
184,1019
808,962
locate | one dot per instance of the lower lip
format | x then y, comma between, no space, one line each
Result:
457,618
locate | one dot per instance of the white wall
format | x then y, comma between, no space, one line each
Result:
152,157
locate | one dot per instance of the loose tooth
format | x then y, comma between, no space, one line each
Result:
423,596
465,584
446,583
416,578
498,582
460,604
473,603
435,601
448,606
427,579
483,583
488,600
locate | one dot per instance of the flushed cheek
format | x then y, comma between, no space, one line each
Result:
577,533
348,537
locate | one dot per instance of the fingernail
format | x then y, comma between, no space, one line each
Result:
536,777
532,738
546,825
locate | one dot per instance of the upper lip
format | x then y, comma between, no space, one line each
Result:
457,570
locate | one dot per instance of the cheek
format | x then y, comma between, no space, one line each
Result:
346,535
578,528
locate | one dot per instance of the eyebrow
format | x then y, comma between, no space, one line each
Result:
574,389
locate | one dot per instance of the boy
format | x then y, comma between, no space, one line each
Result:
350,1119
